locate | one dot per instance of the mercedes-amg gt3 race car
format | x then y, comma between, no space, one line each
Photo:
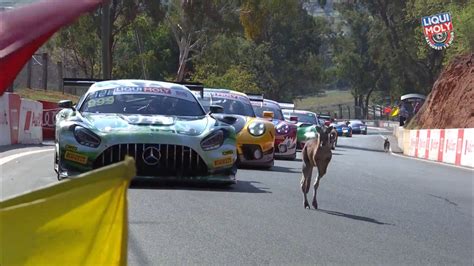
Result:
162,125
255,136
285,140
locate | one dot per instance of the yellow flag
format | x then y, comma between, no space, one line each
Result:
80,221
395,111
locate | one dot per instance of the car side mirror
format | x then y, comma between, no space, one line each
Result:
294,119
216,109
66,104
268,114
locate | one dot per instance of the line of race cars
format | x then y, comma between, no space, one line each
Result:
179,132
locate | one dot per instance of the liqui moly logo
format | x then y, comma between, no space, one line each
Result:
438,30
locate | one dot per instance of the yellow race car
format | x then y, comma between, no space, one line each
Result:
255,136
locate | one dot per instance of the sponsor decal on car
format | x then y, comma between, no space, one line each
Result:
75,157
223,162
228,152
176,93
230,96
438,30
70,147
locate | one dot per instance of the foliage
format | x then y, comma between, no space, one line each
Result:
271,46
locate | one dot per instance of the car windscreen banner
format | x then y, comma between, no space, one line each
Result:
24,29
228,96
438,30
176,92
82,221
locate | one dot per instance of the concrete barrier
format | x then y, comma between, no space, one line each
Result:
453,146
5,137
30,130
20,120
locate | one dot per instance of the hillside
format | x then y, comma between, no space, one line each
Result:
329,101
450,103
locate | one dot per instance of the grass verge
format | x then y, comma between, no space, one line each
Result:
48,95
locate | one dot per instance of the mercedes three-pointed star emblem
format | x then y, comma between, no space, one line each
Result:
151,155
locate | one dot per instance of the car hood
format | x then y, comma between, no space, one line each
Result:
304,124
105,123
240,120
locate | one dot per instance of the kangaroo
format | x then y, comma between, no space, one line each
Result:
386,145
316,152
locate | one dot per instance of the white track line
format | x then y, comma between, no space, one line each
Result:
18,155
427,161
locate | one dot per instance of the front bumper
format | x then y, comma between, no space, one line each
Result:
285,147
174,162
256,151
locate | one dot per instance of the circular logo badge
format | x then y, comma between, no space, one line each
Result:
151,155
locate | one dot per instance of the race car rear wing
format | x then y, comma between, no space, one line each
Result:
287,106
256,97
79,82
196,87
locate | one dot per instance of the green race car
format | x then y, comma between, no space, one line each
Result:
307,122
162,125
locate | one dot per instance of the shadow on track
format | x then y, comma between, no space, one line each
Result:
274,168
353,217
362,149
241,186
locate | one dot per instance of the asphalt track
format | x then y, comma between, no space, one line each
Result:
376,208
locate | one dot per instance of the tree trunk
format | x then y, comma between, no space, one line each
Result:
366,107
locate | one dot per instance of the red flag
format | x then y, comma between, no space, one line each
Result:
23,30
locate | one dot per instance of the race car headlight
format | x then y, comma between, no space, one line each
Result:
213,141
256,128
283,129
86,137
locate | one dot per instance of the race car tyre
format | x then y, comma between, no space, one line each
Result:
292,157
57,168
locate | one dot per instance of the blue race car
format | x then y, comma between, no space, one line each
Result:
343,129
358,127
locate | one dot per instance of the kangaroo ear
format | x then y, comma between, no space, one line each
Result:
318,129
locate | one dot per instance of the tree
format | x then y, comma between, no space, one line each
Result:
292,38
192,24
80,45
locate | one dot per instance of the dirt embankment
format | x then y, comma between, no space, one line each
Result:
451,101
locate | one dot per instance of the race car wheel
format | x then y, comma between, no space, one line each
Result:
292,157
56,166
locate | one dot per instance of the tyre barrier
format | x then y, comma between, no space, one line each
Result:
20,120
453,146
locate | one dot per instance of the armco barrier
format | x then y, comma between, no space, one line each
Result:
50,110
20,120
453,146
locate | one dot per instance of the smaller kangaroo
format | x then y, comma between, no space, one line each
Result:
386,145
316,152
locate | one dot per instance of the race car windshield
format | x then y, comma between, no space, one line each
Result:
259,108
146,104
234,107
306,118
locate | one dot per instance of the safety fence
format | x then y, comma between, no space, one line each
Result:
453,146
